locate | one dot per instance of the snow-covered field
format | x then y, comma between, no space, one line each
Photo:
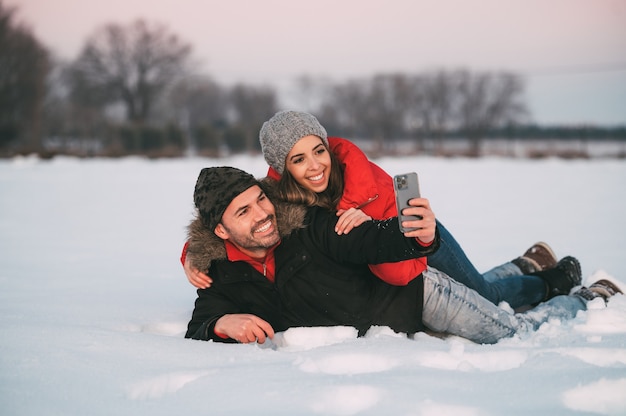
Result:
94,302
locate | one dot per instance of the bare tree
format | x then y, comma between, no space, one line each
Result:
345,107
252,107
387,108
200,107
390,106
24,65
433,104
133,64
486,101
310,92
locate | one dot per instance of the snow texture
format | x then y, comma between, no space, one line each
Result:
94,302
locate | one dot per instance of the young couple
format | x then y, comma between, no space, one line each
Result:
273,264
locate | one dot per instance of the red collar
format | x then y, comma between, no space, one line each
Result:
266,265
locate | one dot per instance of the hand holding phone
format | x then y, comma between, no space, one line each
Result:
406,187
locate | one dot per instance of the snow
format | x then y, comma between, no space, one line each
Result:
94,302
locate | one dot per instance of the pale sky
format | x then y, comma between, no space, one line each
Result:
572,51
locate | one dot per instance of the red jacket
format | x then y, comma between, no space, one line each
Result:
370,188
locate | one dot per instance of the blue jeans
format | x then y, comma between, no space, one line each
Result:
453,308
503,283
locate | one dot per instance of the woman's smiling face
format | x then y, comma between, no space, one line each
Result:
309,163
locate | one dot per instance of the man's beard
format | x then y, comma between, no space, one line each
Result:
250,241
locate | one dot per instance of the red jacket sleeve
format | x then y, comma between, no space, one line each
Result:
183,255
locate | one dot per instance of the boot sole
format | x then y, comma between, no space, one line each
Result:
576,263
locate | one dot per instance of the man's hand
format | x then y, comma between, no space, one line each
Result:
196,277
426,232
350,218
244,328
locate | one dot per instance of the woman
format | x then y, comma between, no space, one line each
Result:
334,173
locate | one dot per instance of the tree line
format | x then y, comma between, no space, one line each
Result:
132,89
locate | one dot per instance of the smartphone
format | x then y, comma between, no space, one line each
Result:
406,188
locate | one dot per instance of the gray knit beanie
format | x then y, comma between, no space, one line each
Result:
282,131
216,187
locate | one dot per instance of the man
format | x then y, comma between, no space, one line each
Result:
276,266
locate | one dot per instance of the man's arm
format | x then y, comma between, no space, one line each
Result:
375,242
210,306
233,327
238,307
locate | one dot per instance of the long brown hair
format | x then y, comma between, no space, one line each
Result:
291,191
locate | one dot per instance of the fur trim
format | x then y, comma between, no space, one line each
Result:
205,246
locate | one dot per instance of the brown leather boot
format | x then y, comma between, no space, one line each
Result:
537,258
601,289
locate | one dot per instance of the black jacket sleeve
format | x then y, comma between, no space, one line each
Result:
208,309
373,242
236,288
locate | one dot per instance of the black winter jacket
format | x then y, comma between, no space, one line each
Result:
321,278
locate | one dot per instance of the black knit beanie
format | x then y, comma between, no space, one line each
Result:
216,187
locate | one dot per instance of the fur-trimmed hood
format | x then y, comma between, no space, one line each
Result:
205,247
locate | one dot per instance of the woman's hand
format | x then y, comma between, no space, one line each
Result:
348,219
196,277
